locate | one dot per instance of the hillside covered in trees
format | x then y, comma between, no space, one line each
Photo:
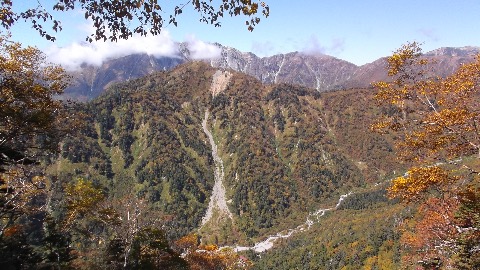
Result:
181,169
278,145
239,161
286,151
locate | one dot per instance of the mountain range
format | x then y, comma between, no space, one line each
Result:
228,150
317,71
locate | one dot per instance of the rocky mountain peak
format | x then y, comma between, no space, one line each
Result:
318,71
466,51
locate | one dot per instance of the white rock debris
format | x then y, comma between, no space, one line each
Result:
279,69
220,81
218,198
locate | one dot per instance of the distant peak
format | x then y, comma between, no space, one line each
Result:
455,51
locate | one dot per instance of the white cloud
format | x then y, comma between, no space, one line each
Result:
72,56
95,53
337,46
202,50
263,49
314,46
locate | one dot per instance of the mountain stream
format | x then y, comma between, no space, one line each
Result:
311,219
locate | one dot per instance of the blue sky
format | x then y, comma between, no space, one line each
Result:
354,30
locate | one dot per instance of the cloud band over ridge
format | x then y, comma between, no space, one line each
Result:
71,57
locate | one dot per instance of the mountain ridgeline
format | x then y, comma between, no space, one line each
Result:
285,149
317,71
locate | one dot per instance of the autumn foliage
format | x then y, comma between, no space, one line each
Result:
420,180
203,257
30,126
436,123
115,20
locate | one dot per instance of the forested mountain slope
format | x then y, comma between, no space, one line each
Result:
283,151
284,148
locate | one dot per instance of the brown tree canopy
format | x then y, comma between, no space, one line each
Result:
115,19
32,122
436,125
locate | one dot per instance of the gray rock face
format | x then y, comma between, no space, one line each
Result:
90,81
466,51
321,72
